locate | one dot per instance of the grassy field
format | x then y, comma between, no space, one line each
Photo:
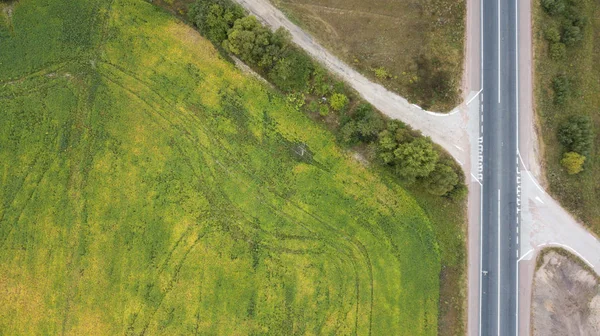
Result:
148,187
416,45
581,66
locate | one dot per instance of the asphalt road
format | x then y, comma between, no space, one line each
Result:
499,197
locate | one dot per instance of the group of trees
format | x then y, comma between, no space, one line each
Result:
569,29
411,156
414,157
576,137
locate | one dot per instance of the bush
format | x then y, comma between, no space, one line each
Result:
441,180
571,35
292,72
554,7
552,34
324,110
415,159
561,87
558,51
215,17
573,162
362,126
338,101
576,135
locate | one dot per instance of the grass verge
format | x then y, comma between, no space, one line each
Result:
567,86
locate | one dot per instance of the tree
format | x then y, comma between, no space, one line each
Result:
248,39
292,72
415,159
362,125
215,17
441,180
573,162
576,134
338,101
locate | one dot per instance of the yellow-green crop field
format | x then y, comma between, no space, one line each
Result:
150,187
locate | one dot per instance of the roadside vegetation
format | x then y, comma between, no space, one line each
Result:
149,187
568,100
414,48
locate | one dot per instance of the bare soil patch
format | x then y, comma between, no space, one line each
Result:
566,296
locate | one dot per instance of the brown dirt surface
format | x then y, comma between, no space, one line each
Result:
566,297
395,35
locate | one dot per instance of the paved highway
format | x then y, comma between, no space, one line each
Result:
499,197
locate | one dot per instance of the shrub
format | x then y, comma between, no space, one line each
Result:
441,180
576,135
324,110
292,72
215,17
381,73
553,7
561,87
415,159
558,51
573,162
552,34
571,35
338,101
363,125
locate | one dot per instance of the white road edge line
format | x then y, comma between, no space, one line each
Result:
499,63
480,185
518,154
498,275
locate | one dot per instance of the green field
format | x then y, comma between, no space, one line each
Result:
580,65
149,187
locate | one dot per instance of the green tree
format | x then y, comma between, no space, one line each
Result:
292,72
215,17
362,125
338,101
573,162
576,134
415,159
248,39
441,180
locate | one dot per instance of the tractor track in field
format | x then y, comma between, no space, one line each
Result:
360,247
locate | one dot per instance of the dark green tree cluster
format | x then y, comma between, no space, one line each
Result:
570,23
214,18
363,125
576,135
414,157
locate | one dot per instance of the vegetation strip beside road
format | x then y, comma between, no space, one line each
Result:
567,93
150,187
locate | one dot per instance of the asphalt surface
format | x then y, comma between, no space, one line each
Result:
499,197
